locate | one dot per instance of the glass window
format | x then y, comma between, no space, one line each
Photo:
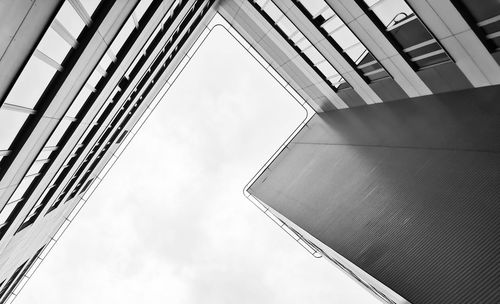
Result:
54,46
105,61
386,10
332,24
36,166
303,44
36,75
151,38
21,188
58,133
122,36
5,213
315,7
344,37
10,124
298,37
79,102
90,5
132,66
287,26
326,68
141,8
94,78
273,11
313,54
44,154
70,19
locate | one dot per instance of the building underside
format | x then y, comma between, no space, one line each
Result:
395,179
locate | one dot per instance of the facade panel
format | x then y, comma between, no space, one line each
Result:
407,191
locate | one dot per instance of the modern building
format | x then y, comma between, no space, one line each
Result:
395,179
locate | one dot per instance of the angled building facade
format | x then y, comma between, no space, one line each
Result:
395,179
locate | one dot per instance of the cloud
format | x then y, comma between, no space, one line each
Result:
170,224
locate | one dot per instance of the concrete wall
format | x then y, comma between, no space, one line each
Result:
407,191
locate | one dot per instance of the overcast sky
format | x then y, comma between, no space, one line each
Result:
169,224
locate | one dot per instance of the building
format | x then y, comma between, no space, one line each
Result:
395,180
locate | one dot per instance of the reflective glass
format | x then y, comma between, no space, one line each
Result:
94,78
344,37
58,133
287,26
326,68
141,8
36,75
303,44
105,61
36,209
44,154
273,11
54,46
132,66
35,167
332,24
151,38
313,54
70,19
10,124
79,102
118,42
296,38
90,5
6,211
21,188
314,6
387,10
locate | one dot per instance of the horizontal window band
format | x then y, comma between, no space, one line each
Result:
395,26
489,21
374,72
420,45
365,65
421,57
493,35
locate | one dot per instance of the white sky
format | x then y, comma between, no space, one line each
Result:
169,224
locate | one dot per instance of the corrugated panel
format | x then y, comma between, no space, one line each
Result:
408,191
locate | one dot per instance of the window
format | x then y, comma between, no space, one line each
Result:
10,124
122,36
68,17
411,35
90,5
338,33
309,51
141,8
58,133
54,46
36,75
79,101
487,20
